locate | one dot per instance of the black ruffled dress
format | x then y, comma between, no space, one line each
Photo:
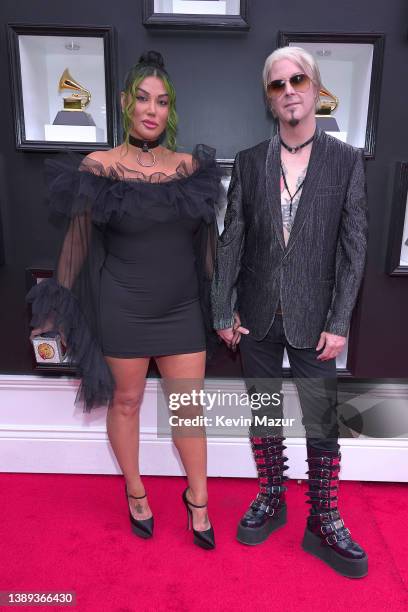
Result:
134,272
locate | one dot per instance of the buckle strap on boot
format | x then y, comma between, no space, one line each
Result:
324,483
271,460
322,504
276,480
323,473
265,504
330,525
337,532
269,450
327,528
318,494
326,517
266,440
266,487
324,461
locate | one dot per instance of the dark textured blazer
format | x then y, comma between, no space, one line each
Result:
318,274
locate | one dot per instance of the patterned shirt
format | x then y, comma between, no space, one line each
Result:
285,201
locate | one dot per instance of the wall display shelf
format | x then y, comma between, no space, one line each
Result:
397,255
351,67
196,14
2,248
63,87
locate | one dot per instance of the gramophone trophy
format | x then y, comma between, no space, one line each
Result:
328,104
74,105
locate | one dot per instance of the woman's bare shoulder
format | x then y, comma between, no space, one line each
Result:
185,158
106,158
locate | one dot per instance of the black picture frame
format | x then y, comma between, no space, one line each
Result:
152,19
2,255
107,34
376,39
398,213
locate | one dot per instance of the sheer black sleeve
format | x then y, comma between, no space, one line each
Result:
68,302
206,241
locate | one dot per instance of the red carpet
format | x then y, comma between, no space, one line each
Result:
69,532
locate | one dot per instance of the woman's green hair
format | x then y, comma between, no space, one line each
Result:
150,64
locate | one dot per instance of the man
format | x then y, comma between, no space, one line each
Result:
289,266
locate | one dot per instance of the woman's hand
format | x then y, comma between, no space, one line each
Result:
232,335
47,327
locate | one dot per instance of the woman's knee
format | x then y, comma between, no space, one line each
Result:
127,403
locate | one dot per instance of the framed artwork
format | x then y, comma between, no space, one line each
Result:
196,14
63,88
49,353
351,67
397,253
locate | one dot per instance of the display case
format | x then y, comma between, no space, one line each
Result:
196,14
397,252
2,255
63,87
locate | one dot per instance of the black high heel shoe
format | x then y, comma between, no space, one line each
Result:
204,539
142,528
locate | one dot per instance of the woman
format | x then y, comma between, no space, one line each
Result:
132,275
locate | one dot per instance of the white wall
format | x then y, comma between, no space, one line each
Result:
41,431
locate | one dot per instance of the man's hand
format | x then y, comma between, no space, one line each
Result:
232,335
333,345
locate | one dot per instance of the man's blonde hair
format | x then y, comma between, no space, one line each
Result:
299,56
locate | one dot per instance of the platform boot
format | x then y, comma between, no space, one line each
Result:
267,511
325,536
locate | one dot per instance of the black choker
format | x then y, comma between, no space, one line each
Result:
145,145
297,147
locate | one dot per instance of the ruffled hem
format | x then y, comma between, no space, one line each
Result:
50,300
78,184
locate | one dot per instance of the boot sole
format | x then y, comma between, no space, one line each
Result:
350,568
256,535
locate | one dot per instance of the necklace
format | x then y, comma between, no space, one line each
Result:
145,146
287,189
297,147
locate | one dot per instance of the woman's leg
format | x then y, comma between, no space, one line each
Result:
122,424
182,374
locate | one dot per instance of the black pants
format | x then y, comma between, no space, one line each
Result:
315,380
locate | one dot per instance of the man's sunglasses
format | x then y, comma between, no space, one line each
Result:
299,82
